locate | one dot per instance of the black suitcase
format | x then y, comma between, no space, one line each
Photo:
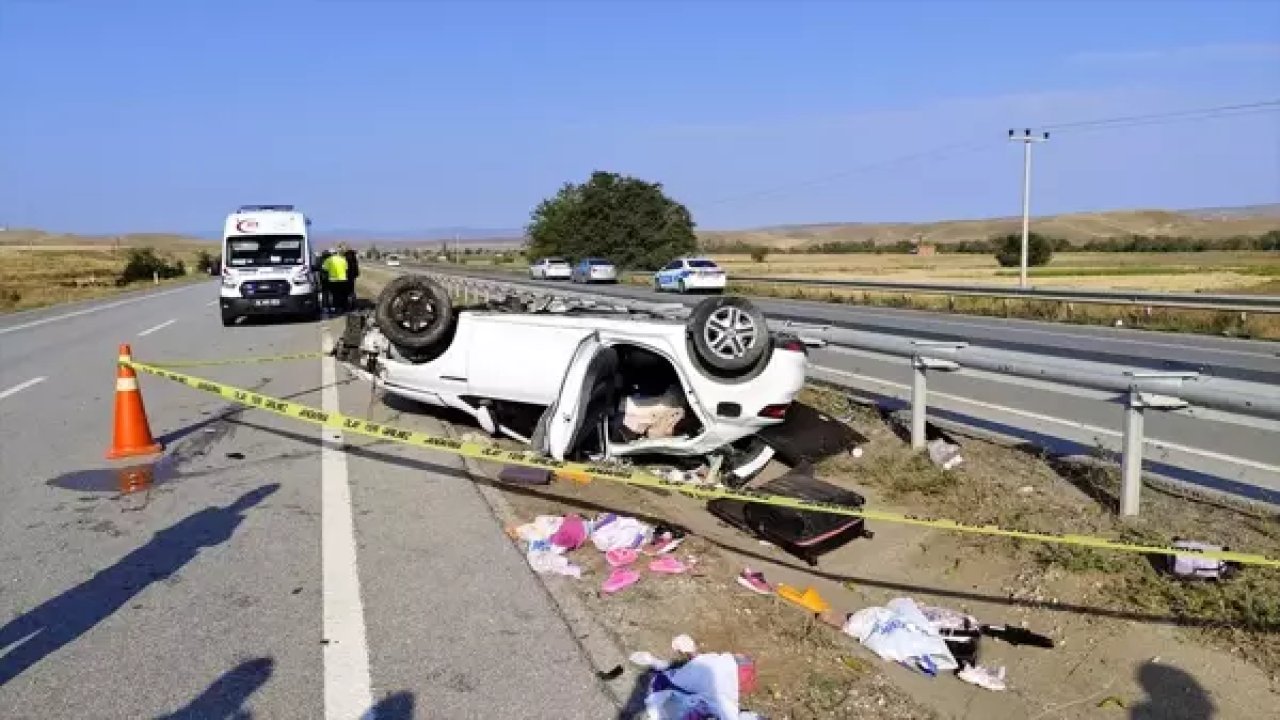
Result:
807,434
806,534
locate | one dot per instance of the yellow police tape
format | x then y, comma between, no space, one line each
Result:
243,360
584,472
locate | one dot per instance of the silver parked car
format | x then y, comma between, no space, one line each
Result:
589,270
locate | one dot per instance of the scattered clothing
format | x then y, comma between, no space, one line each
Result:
620,557
1192,565
901,633
611,532
668,565
653,417
619,579
546,562
571,534
944,454
704,687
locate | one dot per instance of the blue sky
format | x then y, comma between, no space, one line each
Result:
122,116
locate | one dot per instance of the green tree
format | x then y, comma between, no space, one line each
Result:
625,219
759,253
1009,250
204,261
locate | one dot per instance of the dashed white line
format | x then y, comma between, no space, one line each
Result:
164,324
347,691
94,309
211,303
21,386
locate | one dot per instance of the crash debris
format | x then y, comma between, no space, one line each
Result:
624,541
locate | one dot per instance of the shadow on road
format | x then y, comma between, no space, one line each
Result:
1172,694
225,698
40,632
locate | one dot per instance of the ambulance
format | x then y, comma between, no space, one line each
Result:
268,267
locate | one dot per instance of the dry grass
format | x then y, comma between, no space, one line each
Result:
41,276
1022,490
1076,227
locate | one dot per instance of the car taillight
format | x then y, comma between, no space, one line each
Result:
776,412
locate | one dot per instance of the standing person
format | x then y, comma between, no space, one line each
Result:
353,274
336,265
326,293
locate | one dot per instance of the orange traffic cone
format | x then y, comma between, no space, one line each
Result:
132,433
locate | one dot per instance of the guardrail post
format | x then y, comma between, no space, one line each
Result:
1136,404
920,366
1131,461
919,402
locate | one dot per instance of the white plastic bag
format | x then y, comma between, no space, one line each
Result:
901,633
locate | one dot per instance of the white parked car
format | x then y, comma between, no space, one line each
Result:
393,261
577,382
690,275
552,268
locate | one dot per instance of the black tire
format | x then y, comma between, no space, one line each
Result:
414,313
228,319
728,333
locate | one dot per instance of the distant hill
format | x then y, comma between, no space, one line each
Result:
1207,223
27,236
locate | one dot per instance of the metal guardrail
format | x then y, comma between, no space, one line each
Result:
1188,301
1137,390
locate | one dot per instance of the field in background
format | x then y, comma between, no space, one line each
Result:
1170,272
49,273
1075,227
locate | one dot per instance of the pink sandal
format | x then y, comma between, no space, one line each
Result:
619,579
668,564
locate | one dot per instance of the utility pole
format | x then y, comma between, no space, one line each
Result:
1026,138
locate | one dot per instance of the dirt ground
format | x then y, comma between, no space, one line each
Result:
1130,643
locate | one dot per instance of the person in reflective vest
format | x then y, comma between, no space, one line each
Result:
339,285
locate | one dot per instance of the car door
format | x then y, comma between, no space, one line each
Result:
565,418
666,276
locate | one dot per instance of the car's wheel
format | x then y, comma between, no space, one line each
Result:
414,313
228,319
729,333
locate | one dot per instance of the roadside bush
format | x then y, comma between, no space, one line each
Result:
144,263
1009,250
758,254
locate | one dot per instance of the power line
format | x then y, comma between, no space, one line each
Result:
1212,111
1123,121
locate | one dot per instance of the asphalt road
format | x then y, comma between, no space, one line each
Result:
273,569
1190,449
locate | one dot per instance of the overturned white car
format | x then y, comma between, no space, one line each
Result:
578,382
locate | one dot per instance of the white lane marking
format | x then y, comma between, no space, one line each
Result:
94,309
211,303
21,386
347,691
164,324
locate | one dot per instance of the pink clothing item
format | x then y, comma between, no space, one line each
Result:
619,579
620,557
571,534
669,564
